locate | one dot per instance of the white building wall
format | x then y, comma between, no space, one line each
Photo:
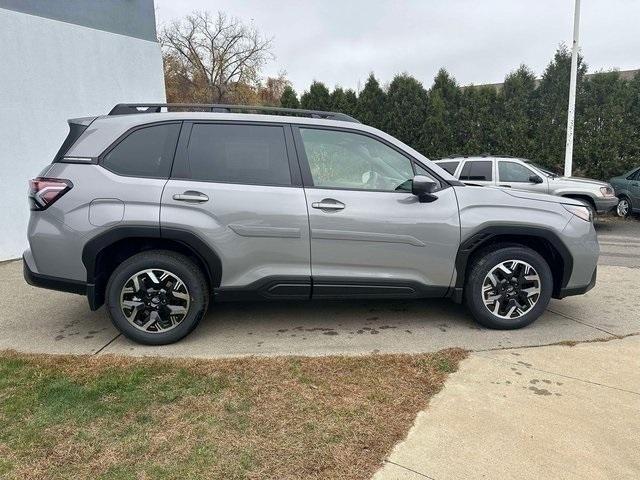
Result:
51,71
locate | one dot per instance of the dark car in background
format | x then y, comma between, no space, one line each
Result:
627,188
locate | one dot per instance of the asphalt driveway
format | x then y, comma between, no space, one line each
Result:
37,320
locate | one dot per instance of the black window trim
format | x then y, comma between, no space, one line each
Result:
305,169
182,152
121,138
522,164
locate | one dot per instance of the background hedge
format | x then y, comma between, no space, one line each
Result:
524,118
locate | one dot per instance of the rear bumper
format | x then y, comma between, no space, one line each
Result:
604,205
579,290
52,283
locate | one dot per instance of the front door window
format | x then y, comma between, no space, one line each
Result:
346,160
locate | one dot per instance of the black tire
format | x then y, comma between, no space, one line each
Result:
180,265
483,263
619,209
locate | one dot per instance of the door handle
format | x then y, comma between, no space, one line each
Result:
506,186
328,204
191,196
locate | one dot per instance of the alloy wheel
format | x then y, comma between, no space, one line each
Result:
154,300
511,289
623,207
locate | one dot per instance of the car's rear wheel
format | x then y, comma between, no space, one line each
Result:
508,287
157,297
624,207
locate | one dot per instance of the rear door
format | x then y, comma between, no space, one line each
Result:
516,175
369,235
477,172
237,186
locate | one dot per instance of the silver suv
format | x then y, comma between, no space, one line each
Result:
522,174
159,210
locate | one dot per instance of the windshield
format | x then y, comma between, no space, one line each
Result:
546,171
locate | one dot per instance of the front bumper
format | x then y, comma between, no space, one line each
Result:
579,290
605,204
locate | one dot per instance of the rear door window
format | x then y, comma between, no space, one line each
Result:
477,171
145,152
450,167
245,154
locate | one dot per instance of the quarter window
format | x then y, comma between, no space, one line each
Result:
513,172
250,154
477,170
350,160
146,152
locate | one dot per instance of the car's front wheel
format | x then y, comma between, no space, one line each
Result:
157,297
508,287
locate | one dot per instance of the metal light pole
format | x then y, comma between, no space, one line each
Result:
568,154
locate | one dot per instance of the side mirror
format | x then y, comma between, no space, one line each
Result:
535,179
423,188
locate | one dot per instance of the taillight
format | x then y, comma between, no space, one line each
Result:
45,191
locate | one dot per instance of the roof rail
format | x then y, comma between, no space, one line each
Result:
130,108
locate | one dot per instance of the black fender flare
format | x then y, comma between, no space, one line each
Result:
209,258
486,234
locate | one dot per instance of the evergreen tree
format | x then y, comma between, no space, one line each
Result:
478,120
552,98
370,108
604,136
350,105
317,98
344,101
405,110
289,98
517,101
440,127
337,99
632,116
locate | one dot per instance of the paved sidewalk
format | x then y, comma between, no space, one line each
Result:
552,412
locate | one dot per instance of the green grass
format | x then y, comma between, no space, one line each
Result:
118,418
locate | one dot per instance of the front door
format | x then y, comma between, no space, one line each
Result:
235,186
369,235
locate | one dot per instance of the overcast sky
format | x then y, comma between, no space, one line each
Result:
341,41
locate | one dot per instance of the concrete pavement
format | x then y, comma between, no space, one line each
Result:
619,241
546,412
37,320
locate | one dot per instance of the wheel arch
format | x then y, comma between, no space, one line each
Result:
626,196
103,253
544,241
581,196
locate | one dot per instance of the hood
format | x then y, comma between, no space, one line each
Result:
574,180
542,197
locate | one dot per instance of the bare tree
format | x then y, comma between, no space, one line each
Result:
212,56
